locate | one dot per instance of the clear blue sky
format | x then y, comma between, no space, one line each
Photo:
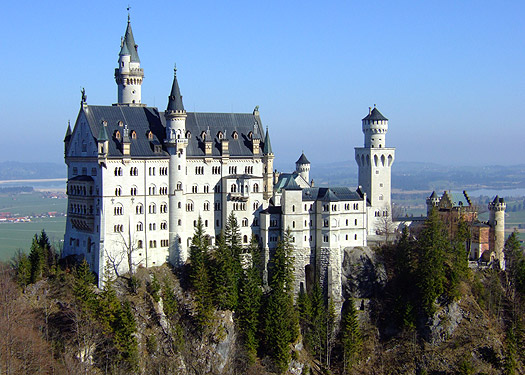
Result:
448,74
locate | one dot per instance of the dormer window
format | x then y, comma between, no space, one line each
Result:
133,134
203,136
105,123
250,135
149,134
188,134
220,135
235,135
120,123
117,134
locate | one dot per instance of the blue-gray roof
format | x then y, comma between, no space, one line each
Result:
375,115
175,98
267,146
330,194
143,120
129,41
291,185
459,199
302,160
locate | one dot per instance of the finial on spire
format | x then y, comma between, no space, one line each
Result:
175,69
129,17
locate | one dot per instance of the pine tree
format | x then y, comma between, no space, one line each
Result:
433,244
351,337
199,276
316,337
36,258
456,261
83,287
225,282
281,324
250,294
23,270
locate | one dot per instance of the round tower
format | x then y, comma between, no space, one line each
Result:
432,202
129,74
176,143
302,167
497,228
374,162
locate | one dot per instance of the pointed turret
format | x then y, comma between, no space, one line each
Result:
267,149
175,98
67,137
129,74
268,166
103,141
302,166
129,47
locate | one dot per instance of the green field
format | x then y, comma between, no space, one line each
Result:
31,204
14,236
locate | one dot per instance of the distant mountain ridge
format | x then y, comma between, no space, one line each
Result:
427,176
15,170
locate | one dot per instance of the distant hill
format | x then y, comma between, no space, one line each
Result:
427,176
405,175
14,170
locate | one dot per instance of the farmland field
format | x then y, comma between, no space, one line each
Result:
14,236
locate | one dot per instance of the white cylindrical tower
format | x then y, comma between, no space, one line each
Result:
176,143
374,126
497,227
129,74
302,167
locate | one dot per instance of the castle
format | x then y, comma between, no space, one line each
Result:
139,179
487,239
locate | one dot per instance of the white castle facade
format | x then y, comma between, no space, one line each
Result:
139,179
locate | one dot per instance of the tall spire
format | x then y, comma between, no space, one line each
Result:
129,44
175,98
267,149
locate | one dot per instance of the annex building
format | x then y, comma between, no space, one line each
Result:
139,178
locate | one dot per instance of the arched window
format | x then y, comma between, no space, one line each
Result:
194,188
140,227
256,188
220,135
179,222
152,208
233,188
164,225
188,134
206,206
179,185
139,209
163,208
149,134
245,239
235,135
139,244
245,222
133,134
118,191
189,206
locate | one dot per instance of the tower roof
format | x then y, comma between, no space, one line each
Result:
375,115
267,149
68,132
175,98
302,160
292,185
102,134
128,45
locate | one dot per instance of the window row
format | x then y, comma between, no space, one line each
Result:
80,209
84,171
79,190
244,188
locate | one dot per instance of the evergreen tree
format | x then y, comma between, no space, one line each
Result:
316,334
280,324
23,270
351,337
199,276
83,287
433,244
250,294
37,259
225,283
456,261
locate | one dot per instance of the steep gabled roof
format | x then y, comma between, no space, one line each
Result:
291,185
102,134
143,120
